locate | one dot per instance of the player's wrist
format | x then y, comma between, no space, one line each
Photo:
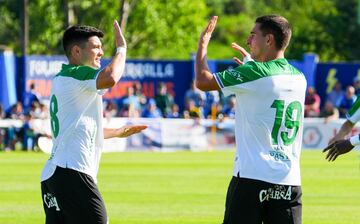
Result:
121,49
247,58
354,140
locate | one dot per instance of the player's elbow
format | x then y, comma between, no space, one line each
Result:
105,83
204,80
201,84
111,82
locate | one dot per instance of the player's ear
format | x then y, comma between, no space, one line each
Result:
270,39
75,51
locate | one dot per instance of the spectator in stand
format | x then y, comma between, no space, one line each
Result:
163,99
44,114
219,112
131,99
16,111
125,111
193,111
13,134
347,101
312,103
151,110
29,137
196,95
186,114
30,97
174,111
110,110
356,84
329,112
336,94
229,109
139,94
212,99
35,110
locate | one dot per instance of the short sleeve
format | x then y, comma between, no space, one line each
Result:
89,76
100,91
230,80
354,113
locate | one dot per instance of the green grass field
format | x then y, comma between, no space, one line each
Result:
182,187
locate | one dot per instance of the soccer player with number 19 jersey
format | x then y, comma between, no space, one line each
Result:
270,94
68,180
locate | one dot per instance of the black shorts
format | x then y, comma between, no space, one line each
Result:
251,201
70,196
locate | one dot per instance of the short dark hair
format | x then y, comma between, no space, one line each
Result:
277,26
78,35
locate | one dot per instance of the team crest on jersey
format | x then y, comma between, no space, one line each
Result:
235,74
50,201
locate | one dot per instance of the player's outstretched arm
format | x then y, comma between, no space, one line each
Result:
344,130
204,79
124,131
111,74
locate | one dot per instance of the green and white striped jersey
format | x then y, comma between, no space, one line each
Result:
76,121
268,119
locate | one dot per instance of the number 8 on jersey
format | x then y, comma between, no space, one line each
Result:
54,119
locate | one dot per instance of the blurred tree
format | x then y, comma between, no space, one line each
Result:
344,30
309,32
170,29
165,29
154,29
46,23
10,24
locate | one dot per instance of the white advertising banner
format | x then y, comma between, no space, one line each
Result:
179,134
317,133
187,134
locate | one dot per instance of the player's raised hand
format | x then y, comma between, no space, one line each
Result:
128,130
337,148
243,52
206,34
119,37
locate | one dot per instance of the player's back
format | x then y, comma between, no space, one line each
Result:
269,115
76,114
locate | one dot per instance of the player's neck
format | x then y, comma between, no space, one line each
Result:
272,55
74,61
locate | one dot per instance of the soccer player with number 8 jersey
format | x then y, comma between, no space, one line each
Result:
68,181
270,93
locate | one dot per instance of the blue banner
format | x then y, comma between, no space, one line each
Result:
40,70
7,79
177,76
327,74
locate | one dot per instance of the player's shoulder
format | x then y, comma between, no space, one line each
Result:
277,67
78,72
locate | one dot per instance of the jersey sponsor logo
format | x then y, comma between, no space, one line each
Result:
278,192
50,201
235,74
278,153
